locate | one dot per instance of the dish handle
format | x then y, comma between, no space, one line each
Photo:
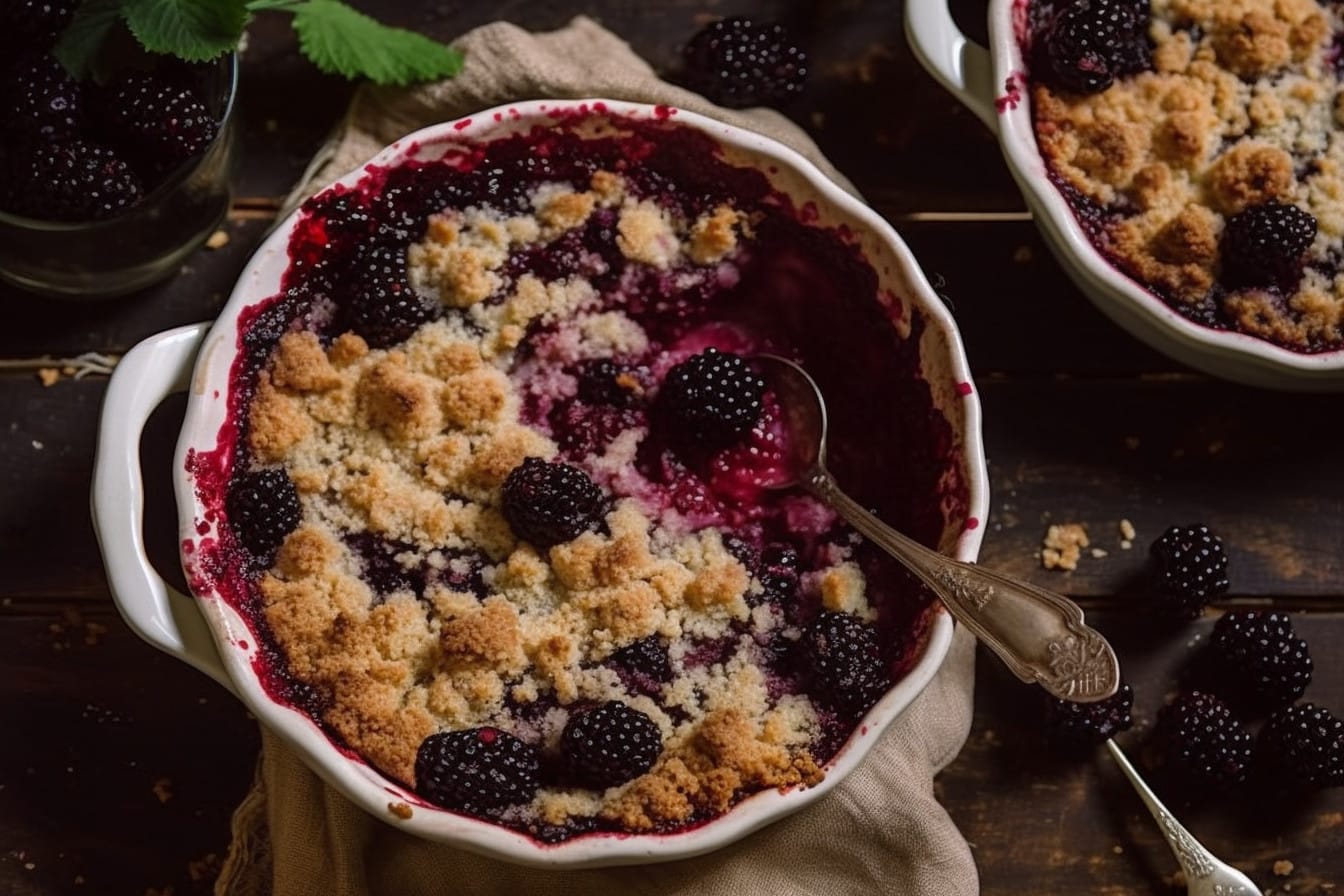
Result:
957,62
157,612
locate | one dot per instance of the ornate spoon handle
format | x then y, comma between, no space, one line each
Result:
1205,875
1040,635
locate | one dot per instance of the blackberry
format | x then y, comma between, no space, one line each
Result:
42,99
71,181
778,573
547,504
1091,42
712,398
845,661
263,508
737,63
1190,567
1263,245
643,665
610,744
159,117
478,771
1259,653
1202,741
1089,724
1302,747
386,309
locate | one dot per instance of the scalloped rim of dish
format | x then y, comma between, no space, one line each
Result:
1018,139
207,410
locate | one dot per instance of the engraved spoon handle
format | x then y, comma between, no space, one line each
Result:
1038,634
1205,875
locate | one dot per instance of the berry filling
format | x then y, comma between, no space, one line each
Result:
506,490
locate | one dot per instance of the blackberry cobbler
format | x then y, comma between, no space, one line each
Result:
1198,144
498,476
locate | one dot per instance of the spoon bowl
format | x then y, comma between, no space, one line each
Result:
1040,635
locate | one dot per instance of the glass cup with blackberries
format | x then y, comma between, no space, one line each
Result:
109,181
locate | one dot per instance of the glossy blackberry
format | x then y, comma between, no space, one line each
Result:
712,398
737,63
162,119
1190,568
1259,655
42,100
643,665
1092,42
1302,747
37,22
845,661
263,508
1263,245
385,309
547,504
1202,742
73,180
1089,724
610,744
478,771
778,573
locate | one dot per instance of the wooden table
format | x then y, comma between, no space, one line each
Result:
119,767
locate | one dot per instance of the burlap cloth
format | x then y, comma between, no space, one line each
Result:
880,831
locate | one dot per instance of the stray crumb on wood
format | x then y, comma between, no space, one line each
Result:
49,376
1098,553
1118,849
163,789
1127,531
1283,868
217,240
1063,546
400,810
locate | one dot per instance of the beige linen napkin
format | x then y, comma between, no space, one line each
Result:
880,831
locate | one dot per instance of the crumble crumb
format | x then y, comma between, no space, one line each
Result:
48,375
217,240
1283,868
400,810
1063,546
1127,531
163,790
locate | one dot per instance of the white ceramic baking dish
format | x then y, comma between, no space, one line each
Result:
206,632
993,83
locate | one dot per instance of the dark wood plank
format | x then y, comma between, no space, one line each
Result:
1260,468
47,545
1017,311
120,766
1043,821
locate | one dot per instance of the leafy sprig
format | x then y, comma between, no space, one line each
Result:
334,37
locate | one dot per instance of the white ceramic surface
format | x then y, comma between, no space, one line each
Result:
210,635
992,83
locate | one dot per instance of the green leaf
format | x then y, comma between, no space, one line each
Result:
194,30
340,40
84,37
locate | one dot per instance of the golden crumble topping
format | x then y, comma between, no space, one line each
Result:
1240,108
399,455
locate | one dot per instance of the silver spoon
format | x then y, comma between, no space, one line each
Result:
1205,875
1040,635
